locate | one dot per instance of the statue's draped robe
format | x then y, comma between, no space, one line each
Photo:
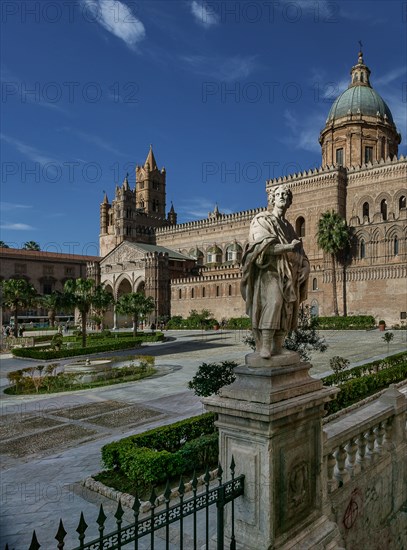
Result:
269,284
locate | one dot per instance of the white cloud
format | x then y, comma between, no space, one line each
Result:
7,206
204,14
221,68
28,150
390,76
17,226
199,208
95,140
304,131
117,18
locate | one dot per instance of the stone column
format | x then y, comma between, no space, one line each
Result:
269,419
114,318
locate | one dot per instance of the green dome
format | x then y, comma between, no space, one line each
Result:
359,100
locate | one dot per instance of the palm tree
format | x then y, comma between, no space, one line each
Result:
101,302
31,245
18,294
332,238
3,245
135,304
80,294
52,303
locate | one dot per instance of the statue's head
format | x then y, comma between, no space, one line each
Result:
272,194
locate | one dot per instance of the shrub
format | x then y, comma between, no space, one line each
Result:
165,438
176,322
338,365
355,322
361,382
147,466
110,344
239,323
211,377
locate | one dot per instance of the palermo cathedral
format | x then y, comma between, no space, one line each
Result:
196,265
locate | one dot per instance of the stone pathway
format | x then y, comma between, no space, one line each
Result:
50,443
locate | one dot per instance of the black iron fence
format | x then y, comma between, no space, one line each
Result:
161,517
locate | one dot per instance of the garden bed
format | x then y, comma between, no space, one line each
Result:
110,343
79,376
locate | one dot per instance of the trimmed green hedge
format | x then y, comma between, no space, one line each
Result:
109,344
42,354
358,385
147,466
239,323
165,438
356,322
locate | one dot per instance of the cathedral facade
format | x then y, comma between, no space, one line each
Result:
196,265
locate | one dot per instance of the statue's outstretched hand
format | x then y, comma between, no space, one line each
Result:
296,244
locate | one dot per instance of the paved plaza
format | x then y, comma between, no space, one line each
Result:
50,443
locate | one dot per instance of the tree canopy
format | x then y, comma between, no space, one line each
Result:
18,294
332,238
135,304
31,245
80,293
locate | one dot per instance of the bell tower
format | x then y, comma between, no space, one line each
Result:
150,187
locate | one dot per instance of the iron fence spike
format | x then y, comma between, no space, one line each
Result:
207,476
194,480
101,517
232,465
136,504
119,512
220,471
82,526
61,533
181,486
153,496
167,492
35,545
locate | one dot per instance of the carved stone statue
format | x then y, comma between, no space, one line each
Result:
275,273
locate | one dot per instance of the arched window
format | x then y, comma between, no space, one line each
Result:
362,249
362,77
203,292
180,293
192,293
233,253
339,156
217,291
300,227
383,209
365,210
402,202
314,283
230,290
396,246
368,154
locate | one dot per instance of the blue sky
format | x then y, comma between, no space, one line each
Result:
229,94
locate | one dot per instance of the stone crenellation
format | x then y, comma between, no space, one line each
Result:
243,216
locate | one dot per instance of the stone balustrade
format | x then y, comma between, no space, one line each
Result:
351,449
365,469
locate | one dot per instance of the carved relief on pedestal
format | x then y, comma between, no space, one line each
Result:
295,472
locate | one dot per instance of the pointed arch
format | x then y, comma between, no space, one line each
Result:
300,226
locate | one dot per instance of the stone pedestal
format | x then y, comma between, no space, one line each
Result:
269,419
